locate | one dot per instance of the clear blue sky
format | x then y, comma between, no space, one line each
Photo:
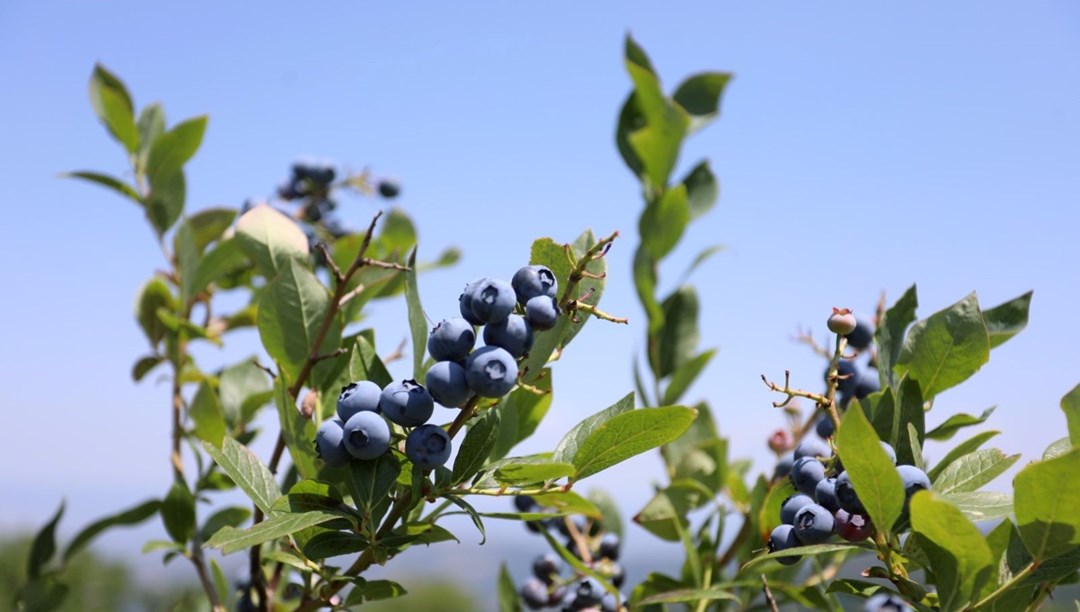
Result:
862,148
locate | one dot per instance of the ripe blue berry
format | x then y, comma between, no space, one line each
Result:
589,592
356,397
811,447
531,281
547,567
861,337
914,480
451,340
427,446
783,466
806,473
491,371
465,302
825,494
329,443
609,546
813,524
852,527
845,370
825,427
492,300
783,538
609,603
366,435
889,451
845,492
534,593
618,575
512,333
542,312
525,503
389,189
447,384
841,321
791,506
407,403
886,602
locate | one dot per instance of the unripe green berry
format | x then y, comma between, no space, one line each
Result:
841,322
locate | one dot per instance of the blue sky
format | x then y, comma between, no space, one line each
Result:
862,148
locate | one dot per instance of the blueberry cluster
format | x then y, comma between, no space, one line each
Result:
827,505
311,181
855,381
549,588
360,429
490,371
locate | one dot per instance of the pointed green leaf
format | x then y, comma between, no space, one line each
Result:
165,202
239,383
247,472
507,591
151,124
291,311
1070,404
956,422
226,257
208,415
154,295
1048,505
326,544
909,414
678,340
702,191
982,505
107,181
230,539
520,414
365,364
374,590
479,440
178,512
663,222
569,444
700,95
959,556
687,596
531,470
232,516
417,322
1006,320
145,365
271,239
889,336
208,225
44,545
172,149
1057,448
803,551
297,430
947,348
960,450
628,434
467,507
972,471
657,142
371,481
568,503
113,106
872,473
611,518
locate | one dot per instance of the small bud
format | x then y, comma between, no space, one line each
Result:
841,322
780,441
307,407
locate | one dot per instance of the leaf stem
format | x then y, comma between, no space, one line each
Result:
1006,586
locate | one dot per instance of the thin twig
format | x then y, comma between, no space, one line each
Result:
768,594
819,399
398,353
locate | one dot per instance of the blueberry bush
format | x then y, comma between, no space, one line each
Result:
365,466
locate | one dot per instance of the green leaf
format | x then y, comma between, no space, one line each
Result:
178,512
678,339
417,321
610,517
237,384
190,330
687,596
531,470
960,558
946,348
657,143
1048,506
569,444
665,515
172,149
568,502
872,473
889,336
124,518
909,414
113,106
982,505
44,545
371,481
145,365
230,539
333,544
478,442
804,551
1057,448
699,95
297,430
291,311
1070,404
645,283
232,516
110,182
507,591
247,472
225,258
956,422
521,413
972,471
629,434
702,191
365,364
208,225
165,202
153,296
208,415
663,222
699,259
374,590
477,521
1006,320
151,124
959,451
271,239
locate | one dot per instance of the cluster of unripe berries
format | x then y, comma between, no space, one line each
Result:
827,505
547,588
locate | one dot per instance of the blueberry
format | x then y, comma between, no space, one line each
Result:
811,447
512,333
866,383
825,427
783,466
367,435
862,336
428,447
813,524
492,300
609,546
407,403
578,521
569,601
451,340
844,386
534,593
915,480
825,494
609,603
783,538
889,451
886,602
806,473
845,492
356,397
329,443
447,384
388,189
841,321
618,575
589,592
525,503
542,312
852,527
531,281
792,505
546,567
491,371
465,301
